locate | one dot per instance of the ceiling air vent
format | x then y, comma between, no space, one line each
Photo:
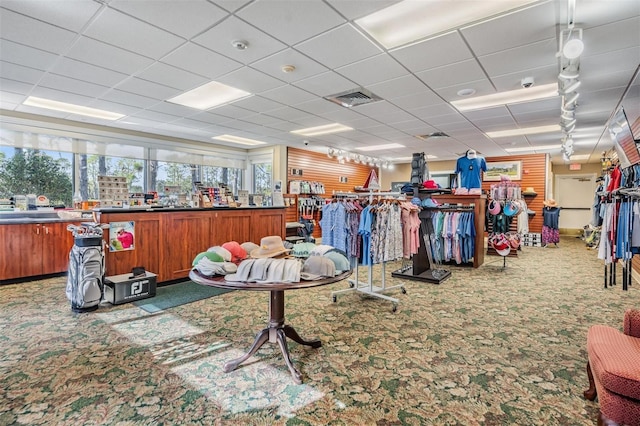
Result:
433,135
353,98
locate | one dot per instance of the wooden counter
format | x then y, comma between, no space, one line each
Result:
167,240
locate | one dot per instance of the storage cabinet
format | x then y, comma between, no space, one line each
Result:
184,236
34,249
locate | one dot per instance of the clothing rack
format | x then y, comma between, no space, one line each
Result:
368,287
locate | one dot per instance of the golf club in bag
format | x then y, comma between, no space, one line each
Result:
85,279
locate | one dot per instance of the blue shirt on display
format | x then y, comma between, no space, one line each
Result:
470,170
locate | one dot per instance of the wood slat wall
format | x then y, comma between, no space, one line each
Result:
320,168
635,129
534,168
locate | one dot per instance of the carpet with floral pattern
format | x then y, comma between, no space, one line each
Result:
488,346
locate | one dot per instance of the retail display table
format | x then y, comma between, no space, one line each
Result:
276,331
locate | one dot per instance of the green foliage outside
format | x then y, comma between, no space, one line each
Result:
31,171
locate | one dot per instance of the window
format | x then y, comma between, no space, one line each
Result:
262,178
92,166
34,171
213,176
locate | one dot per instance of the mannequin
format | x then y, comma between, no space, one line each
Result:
469,168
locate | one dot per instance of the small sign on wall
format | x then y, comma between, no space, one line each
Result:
343,179
575,166
296,172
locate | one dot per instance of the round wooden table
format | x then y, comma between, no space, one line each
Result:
276,330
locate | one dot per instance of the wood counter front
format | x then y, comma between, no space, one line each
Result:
166,241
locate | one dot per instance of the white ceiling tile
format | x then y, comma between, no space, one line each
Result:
14,86
521,59
9,98
73,16
413,126
417,100
26,56
373,70
184,18
542,75
19,73
288,113
199,60
398,87
28,31
258,103
232,5
174,109
58,95
595,13
288,94
429,53
211,118
86,72
153,115
250,80
289,21
328,83
127,98
482,87
338,47
261,119
113,107
354,9
523,27
601,39
220,37
72,85
452,74
106,56
34,110
231,111
304,66
128,33
171,76
147,88
318,106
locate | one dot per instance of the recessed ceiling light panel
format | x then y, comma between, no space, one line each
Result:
506,98
524,131
209,95
322,130
238,139
71,108
380,147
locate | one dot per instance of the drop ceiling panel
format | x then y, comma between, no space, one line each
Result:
304,66
542,75
19,73
417,100
289,21
622,34
325,84
339,47
199,60
123,31
398,87
72,85
258,104
148,89
261,119
156,116
520,28
521,59
183,18
429,53
33,33
131,99
452,74
318,106
171,76
594,13
220,37
354,9
25,55
287,94
72,17
250,80
86,72
232,5
106,56
58,95
373,70
14,86
289,114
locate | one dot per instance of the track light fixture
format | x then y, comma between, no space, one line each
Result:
344,156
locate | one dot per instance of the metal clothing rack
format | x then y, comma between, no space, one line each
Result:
368,287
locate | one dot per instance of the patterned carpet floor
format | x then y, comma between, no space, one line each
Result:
488,346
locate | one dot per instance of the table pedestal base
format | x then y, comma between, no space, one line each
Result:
275,332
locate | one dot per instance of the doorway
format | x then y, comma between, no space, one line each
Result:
574,195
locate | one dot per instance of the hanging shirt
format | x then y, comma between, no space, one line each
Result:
470,170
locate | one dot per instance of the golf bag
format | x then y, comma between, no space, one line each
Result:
307,230
419,169
85,279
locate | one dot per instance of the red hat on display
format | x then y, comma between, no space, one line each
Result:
430,184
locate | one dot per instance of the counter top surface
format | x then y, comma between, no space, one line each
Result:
181,209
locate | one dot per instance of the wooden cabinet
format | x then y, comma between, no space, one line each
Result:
185,235
167,241
147,246
33,249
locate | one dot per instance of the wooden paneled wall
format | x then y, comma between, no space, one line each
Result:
533,175
318,167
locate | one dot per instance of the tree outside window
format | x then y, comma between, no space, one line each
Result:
262,178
